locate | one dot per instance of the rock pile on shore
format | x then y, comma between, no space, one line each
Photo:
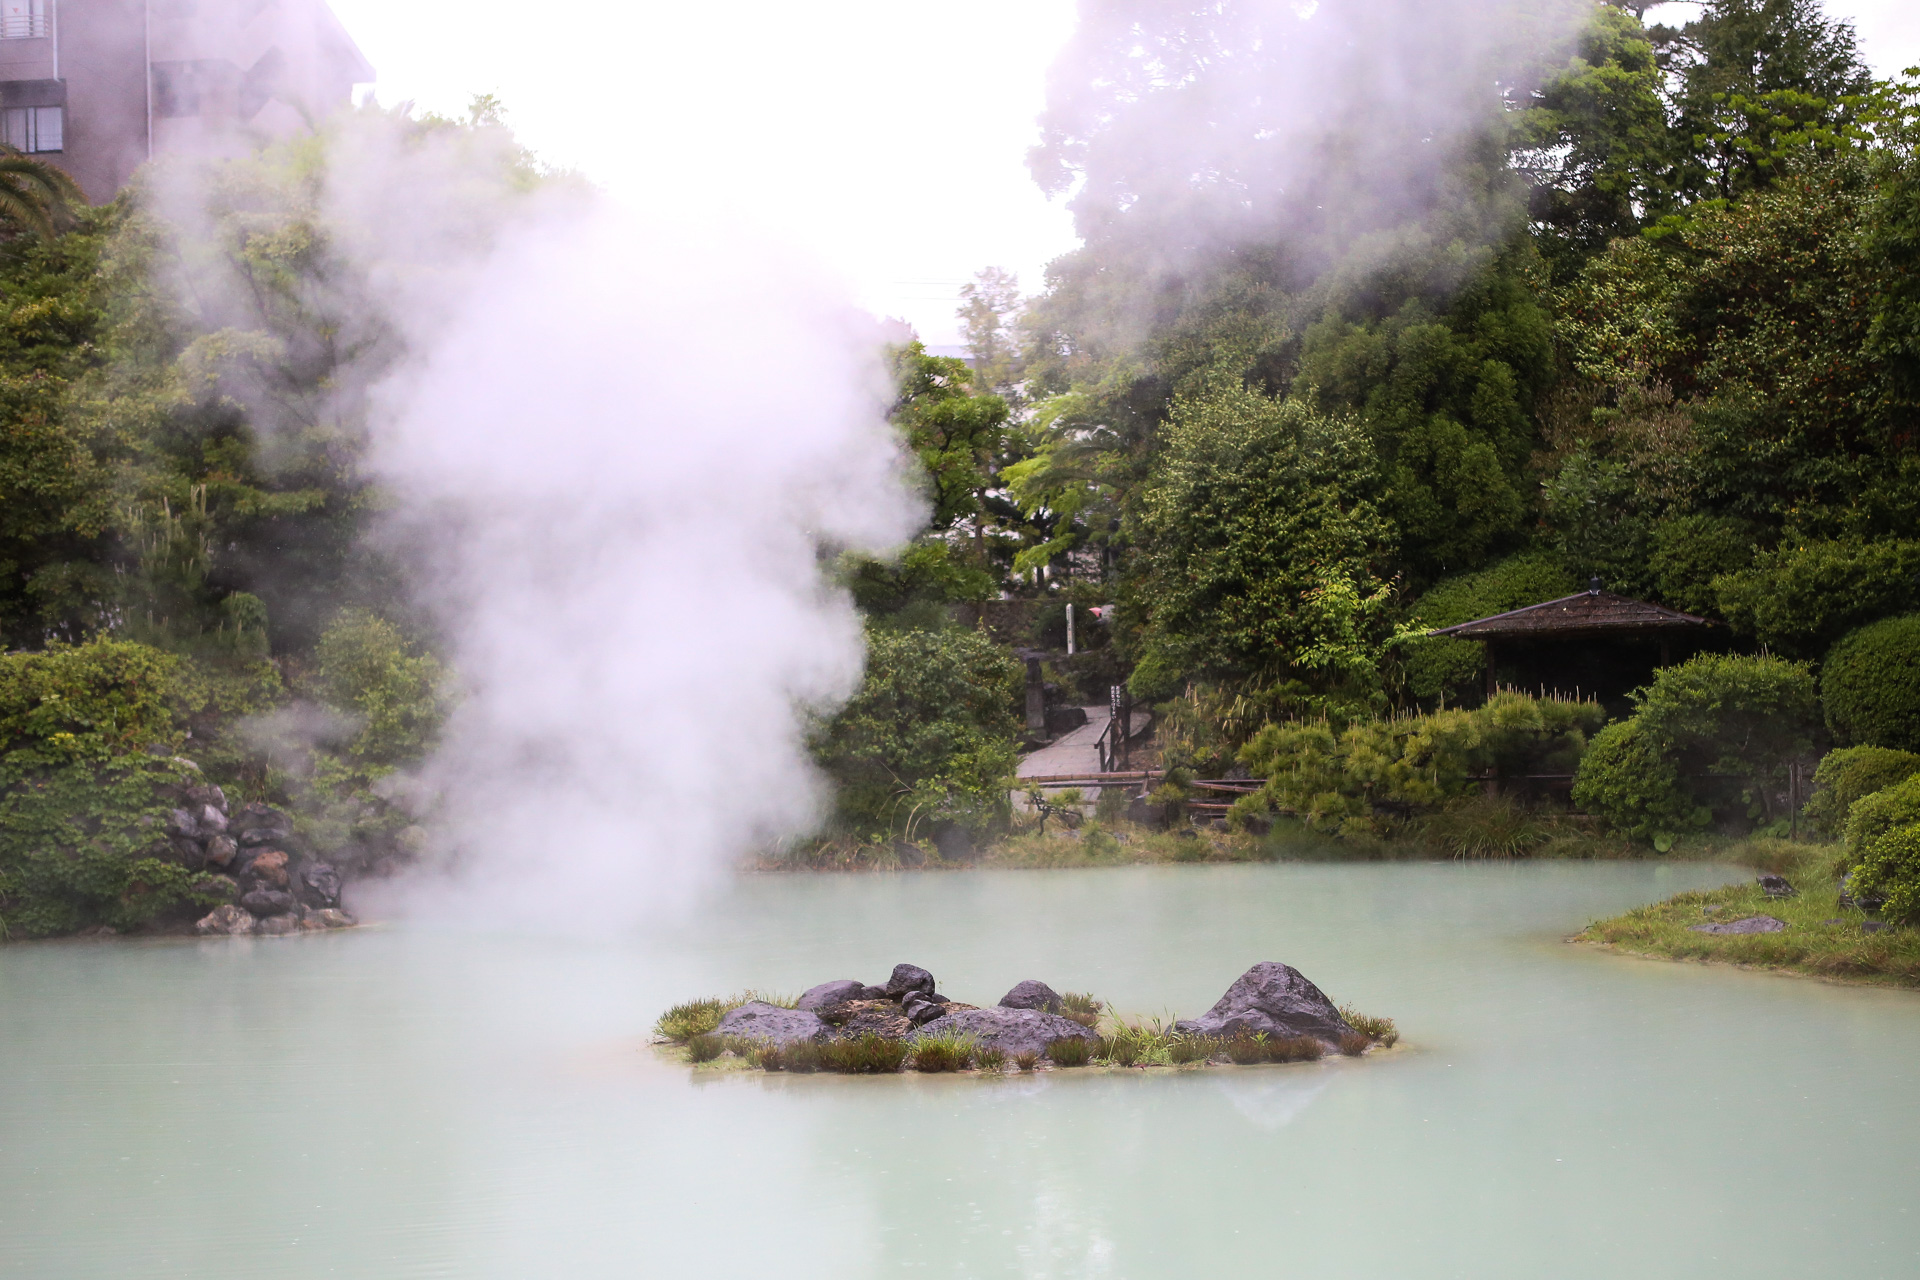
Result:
276,888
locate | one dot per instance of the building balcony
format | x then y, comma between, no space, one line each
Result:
24,20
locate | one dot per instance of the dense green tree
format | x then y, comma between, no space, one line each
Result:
931,736
1262,547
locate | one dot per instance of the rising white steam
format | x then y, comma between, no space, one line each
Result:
623,455
1186,127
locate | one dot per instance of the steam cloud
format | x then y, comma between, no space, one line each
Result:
1187,128
615,449
624,454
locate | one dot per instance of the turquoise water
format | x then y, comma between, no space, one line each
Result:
407,1102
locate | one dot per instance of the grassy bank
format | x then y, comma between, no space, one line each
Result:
1122,844
1822,939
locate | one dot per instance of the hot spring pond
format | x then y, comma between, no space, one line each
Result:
415,1102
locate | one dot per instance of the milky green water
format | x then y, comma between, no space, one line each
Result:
410,1102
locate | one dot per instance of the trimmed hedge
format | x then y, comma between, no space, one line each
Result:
1724,714
1891,869
1846,775
1871,685
1629,778
1873,816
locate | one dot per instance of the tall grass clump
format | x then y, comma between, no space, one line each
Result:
1070,1051
990,1059
1379,1030
1136,1044
694,1018
868,1054
1027,1061
1485,827
700,1017
1184,1049
1355,1043
1081,1008
1246,1050
705,1048
944,1052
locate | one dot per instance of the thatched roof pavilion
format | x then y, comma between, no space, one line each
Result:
1577,626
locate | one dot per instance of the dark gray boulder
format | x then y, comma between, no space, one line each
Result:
329,918
277,926
1273,999
1747,924
267,902
318,885
220,851
1777,886
817,998
908,977
258,824
873,993
1032,994
921,1010
211,821
1146,812
1012,1031
757,1020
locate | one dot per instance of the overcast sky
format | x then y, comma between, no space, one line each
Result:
885,138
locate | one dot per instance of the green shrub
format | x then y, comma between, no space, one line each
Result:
366,669
1890,868
1440,666
1726,714
1871,685
1872,816
1334,780
1732,713
1628,779
1849,773
931,735
86,782
1799,600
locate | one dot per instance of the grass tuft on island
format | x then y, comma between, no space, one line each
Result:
1822,939
1121,1045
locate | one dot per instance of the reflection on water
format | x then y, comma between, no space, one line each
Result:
404,1103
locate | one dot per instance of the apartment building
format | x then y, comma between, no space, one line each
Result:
99,86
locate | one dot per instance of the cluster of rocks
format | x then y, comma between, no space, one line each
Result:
1270,999
908,1006
276,890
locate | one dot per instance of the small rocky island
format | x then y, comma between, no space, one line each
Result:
1271,1013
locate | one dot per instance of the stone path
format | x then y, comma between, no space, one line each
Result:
1079,751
